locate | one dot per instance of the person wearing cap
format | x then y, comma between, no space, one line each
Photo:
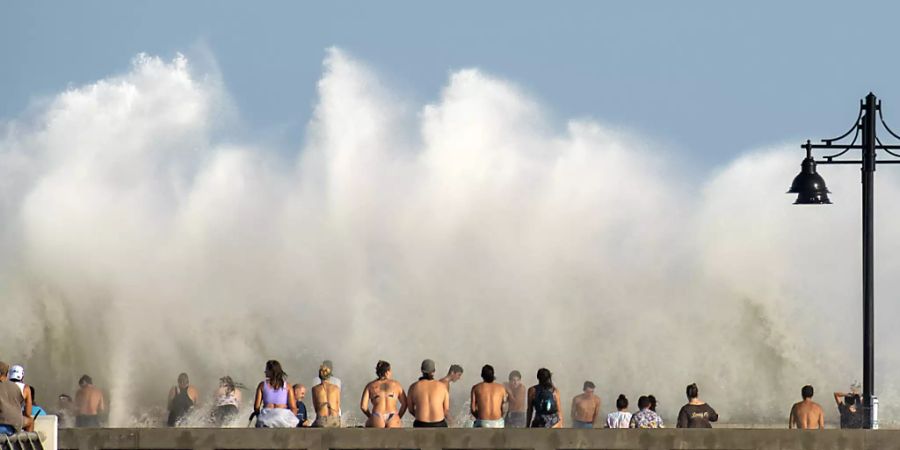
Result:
428,399
331,379
12,403
515,391
17,376
585,407
488,400
326,400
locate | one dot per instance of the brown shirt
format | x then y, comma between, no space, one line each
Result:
11,402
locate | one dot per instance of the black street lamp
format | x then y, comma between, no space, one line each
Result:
810,189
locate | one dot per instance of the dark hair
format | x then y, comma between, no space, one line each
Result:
455,368
692,391
183,378
807,391
382,368
621,402
643,402
652,399
85,379
487,373
588,385
544,378
228,383
851,400
515,374
275,374
31,388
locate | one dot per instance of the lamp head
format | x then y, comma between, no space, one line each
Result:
809,185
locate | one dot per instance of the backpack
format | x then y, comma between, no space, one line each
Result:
544,403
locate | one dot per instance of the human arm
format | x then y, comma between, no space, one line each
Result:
411,400
683,418
29,402
596,410
257,401
194,394
558,402
530,408
364,402
792,419
292,401
171,397
821,419
403,401
504,407
101,402
839,398
473,402
713,415
574,402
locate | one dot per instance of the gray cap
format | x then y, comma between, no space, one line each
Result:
427,366
327,363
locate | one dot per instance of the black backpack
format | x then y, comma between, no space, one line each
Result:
544,403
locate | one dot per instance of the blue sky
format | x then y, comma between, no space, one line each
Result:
710,79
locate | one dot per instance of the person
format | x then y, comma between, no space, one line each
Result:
428,399
488,400
65,411
35,409
326,400
331,379
543,402
89,403
227,402
848,404
274,404
12,402
182,398
516,395
453,375
302,414
645,417
17,376
652,399
585,407
620,418
696,413
806,414
386,395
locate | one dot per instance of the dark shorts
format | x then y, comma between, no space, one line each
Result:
515,419
87,421
441,424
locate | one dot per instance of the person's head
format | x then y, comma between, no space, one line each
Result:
643,402
17,373
275,374
85,380
806,392
4,370
330,365
299,391
851,400
652,400
324,371
383,370
455,372
622,403
515,377
487,373
545,378
588,387
183,381
427,368
692,391
227,383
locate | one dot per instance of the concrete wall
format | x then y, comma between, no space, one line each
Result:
459,439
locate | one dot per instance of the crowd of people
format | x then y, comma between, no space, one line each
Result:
384,402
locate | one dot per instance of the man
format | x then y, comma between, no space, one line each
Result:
17,377
331,379
386,395
806,414
848,404
182,398
516,398
488,402
326,399
302,414
89,403
12,403
428,399
645,418
453,375
585,407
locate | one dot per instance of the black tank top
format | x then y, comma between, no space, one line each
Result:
180,406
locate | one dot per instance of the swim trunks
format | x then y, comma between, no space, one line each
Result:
580,424
484,423
515,419
82,421
327,422
420,424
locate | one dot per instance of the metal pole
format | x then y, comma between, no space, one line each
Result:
868,203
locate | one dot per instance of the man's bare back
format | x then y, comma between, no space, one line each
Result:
326,400
89,401
807,415
516,396
384,395
585,407
429,401
488,400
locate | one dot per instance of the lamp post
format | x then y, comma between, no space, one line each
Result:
810,189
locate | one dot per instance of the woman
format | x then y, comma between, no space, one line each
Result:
696,414
384,394
227,402
543,403
326,400
275,405
620,418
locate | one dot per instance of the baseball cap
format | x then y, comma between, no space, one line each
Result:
327,363
16,373
427,366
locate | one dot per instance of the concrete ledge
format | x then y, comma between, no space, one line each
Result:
460,439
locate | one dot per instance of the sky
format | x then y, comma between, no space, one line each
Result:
709,79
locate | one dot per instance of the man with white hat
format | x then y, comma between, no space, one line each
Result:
17,376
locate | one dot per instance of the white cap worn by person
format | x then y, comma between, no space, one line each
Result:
16,373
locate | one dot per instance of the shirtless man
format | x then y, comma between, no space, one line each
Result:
429,399
515,391
453,375
90,404
384,393
585,407
807,414
326,400
488,402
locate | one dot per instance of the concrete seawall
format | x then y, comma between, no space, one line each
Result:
460,439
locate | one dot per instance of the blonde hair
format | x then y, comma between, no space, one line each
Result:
324,372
